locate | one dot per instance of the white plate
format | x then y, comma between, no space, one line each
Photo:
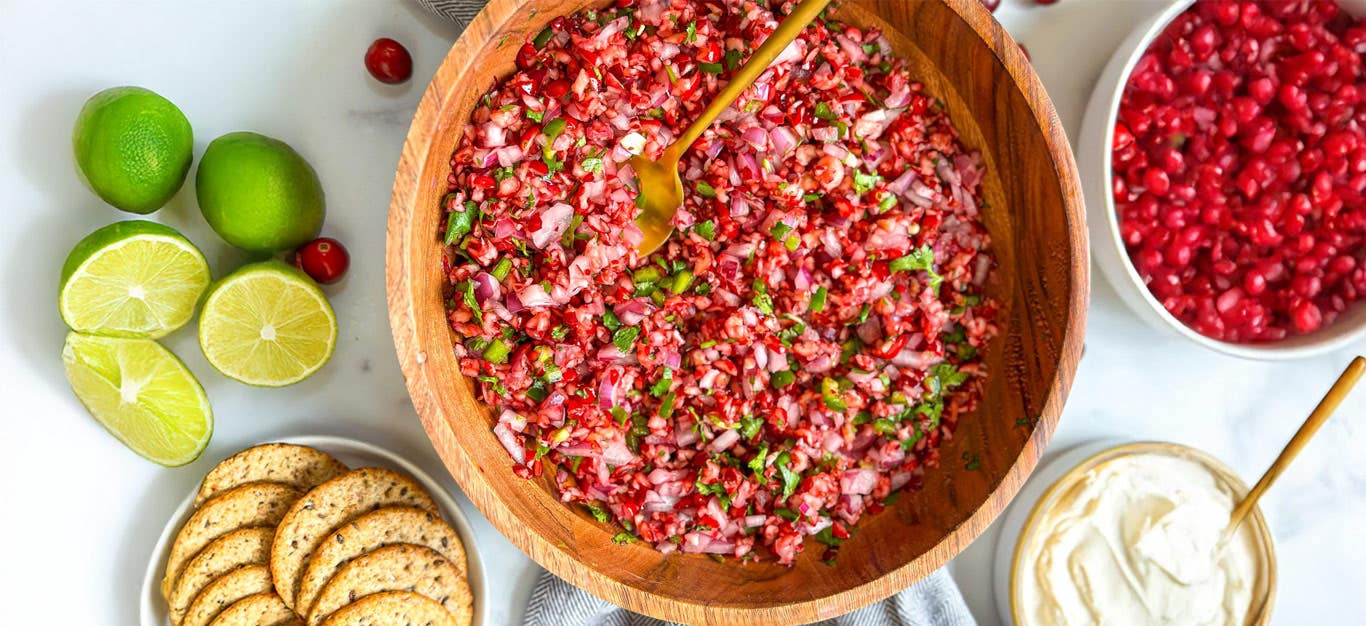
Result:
354,454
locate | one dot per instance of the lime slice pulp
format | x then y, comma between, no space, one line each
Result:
133,279
142,394
267,324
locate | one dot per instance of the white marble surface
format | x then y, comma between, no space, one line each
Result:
80,512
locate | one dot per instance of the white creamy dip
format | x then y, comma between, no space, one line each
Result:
1136,541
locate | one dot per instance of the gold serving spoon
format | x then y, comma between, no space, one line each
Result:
1326,407
660,186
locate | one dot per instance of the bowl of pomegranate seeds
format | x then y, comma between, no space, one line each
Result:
1229,167
834,374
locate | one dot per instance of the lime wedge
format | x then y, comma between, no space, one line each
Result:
133,279
142,394
267,324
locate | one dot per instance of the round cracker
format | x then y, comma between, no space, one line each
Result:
248,506
300,467
325,509
262,609
244,546
374,530
398,567
226,589
392,608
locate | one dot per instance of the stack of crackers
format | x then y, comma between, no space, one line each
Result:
285,534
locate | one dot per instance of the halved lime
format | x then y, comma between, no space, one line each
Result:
142,394
267,324
133,279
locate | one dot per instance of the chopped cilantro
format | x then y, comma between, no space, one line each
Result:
779,230
623,538
756,464
790,478
597,512
460,223
625,338
732,59
717,490
609,319
920,259
827,537
782,378
705,190
824,112
592,164
536,116
472,303
711,68
974,463
692,32
948,376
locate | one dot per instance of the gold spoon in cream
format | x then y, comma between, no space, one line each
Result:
1321,413
661,189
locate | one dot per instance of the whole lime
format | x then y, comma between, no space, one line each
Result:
133,148
258,194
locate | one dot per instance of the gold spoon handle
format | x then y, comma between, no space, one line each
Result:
787,31
1321,413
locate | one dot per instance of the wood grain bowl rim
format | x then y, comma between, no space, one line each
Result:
559,559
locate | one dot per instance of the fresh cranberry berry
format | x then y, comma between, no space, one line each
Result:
388,61
991,5
325,260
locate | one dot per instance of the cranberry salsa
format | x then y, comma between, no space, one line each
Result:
1240,167
800,347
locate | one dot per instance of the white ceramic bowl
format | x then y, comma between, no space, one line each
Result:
1094,163
353,453
1039,493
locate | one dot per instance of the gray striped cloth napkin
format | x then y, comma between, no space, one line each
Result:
934,601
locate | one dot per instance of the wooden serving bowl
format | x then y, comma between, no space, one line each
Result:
1035,218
